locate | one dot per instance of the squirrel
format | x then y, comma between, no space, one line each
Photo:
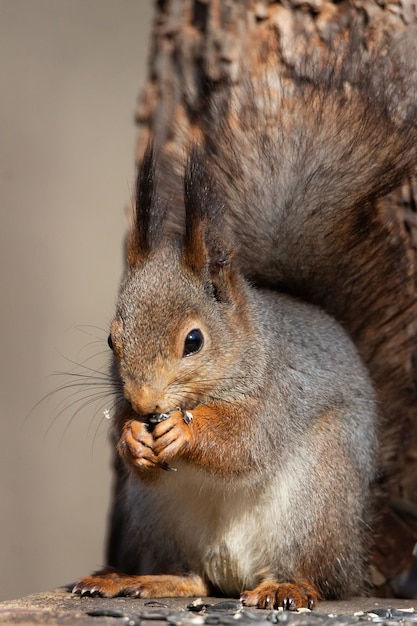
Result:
246,422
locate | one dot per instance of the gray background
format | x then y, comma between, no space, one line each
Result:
70,74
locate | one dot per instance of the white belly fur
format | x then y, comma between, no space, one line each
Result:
229,534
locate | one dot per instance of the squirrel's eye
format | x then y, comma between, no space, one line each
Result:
110,342
193,342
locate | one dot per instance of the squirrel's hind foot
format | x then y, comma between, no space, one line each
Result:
110,583
274,595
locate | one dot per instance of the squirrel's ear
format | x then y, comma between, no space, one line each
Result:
149,214
205,247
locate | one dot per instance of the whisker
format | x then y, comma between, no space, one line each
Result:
182,391
82,365
83,328
118,402
96,397
81,389
95,355
99,411
99,377
105,383
104,394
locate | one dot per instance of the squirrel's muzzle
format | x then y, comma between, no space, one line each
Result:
145,400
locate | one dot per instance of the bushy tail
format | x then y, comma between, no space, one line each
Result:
304,161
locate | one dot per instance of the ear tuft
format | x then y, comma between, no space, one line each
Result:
205,247
149,213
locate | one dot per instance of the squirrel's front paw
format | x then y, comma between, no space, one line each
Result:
136,446
172,436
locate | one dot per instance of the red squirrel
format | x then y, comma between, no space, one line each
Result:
246,423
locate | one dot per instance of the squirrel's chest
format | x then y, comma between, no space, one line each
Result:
228,559
225,534
221,547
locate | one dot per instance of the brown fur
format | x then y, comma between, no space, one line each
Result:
110,583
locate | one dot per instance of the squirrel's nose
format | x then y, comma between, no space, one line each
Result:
145,400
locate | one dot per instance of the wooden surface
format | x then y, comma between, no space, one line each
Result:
60,607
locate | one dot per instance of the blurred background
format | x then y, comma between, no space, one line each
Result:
70,74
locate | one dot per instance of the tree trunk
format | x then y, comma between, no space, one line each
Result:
198,47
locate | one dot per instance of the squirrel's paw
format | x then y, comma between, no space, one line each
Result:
111,583
274,595
105,583
136,446
172,436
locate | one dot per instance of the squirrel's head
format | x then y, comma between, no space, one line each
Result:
180,320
